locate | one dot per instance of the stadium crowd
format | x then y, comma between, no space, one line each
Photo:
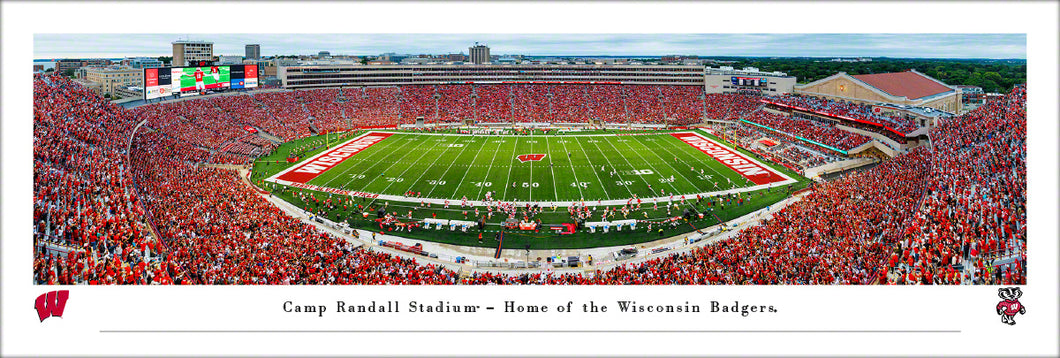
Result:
846,109
952,212
813,130
973,215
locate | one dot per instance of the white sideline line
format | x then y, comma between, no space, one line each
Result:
523,135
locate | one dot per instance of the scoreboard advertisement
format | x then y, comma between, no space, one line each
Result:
190,81
749,81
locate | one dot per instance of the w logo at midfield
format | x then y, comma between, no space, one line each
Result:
51,304
530,157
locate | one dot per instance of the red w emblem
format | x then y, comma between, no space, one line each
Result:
51,304
530,157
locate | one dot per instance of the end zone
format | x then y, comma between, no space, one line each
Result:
749,168
318,164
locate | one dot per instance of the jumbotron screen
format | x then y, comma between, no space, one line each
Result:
750,81
189,81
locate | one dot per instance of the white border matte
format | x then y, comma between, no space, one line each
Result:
967,309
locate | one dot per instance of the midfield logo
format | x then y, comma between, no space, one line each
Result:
530,157
51,304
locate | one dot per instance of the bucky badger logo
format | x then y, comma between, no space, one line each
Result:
1010,305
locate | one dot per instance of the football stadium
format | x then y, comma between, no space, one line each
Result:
527,174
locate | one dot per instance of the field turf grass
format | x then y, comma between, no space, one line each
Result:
455,166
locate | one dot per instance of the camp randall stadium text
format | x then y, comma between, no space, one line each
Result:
613,307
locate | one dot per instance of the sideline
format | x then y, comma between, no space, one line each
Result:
513,261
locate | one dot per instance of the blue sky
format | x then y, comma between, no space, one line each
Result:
786,45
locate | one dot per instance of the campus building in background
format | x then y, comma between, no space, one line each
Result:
253,52
186,52
479,54
142,62
114,80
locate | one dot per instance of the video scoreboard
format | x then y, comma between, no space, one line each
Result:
189,81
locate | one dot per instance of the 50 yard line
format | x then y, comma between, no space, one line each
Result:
515,148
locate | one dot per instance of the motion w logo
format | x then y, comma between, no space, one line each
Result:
51,304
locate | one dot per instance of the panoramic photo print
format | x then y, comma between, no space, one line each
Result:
529,159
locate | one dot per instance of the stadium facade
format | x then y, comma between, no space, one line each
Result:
714,80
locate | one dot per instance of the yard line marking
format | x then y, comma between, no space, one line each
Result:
425,170
515,148
449,167
365,186
709,164
612,168
548,149
631,167
461,182
576,181
653,168
532,171
495,151
366,158
693,181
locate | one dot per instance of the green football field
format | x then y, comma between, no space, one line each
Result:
541,168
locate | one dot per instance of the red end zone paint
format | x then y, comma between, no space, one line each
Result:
305,172
759,174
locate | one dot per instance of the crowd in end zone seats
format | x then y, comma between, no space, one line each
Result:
847,109
974,212
788,151
818,131
729,106
952,212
